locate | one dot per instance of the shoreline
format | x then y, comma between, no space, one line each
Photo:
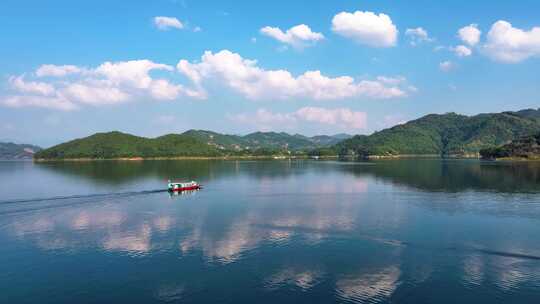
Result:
135,159
263,157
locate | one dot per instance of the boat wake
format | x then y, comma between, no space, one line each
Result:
27,205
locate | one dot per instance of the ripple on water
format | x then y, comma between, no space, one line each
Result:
373,287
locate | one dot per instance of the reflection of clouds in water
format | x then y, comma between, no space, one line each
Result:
97,219
473,270
279,236
250,230
163,223
135,242
240,237
304,279
34,226
351,185
512,272
169,292
369,287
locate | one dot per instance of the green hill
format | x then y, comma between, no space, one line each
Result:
446,134
274,140
121,145
17,151
265,140
190,143
220,141
527,147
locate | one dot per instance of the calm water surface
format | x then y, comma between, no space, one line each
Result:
407,231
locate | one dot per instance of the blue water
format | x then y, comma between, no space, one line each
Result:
401,231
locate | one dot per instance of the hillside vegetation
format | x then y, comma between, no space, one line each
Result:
189,144
446,134
121,145
527,147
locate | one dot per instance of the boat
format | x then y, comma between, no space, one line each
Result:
177,187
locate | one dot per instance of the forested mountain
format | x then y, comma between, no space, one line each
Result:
265,140
525,147
190,143
121,145
446,134
434,134
17,151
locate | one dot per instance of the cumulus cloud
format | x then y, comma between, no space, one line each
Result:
297,36
108,83
446,66
366,28
164,23
505,43
124,81
470,34
462,51
246,78
417,36
32,87
341,117
58,103
57,70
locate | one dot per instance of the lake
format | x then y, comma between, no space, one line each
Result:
395,231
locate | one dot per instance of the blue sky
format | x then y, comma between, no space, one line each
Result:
72,68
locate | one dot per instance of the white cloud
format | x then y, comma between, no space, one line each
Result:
366,28
245,77
133,73
125,81
508,44
32,87
462,51
165,23
470,34
341,117
57,103
297,36
109,83
446,66
94,95
57,70
417,36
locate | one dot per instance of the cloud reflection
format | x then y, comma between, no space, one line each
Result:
369,287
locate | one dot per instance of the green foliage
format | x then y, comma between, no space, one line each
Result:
120,145
447,134
265,140
524,147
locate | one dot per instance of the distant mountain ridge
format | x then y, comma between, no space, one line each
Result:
192,143
265,140
444,134
10,151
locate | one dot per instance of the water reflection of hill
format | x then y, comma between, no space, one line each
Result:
457,175
424,174
119,172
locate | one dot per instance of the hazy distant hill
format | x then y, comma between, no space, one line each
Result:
445,134
17,151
